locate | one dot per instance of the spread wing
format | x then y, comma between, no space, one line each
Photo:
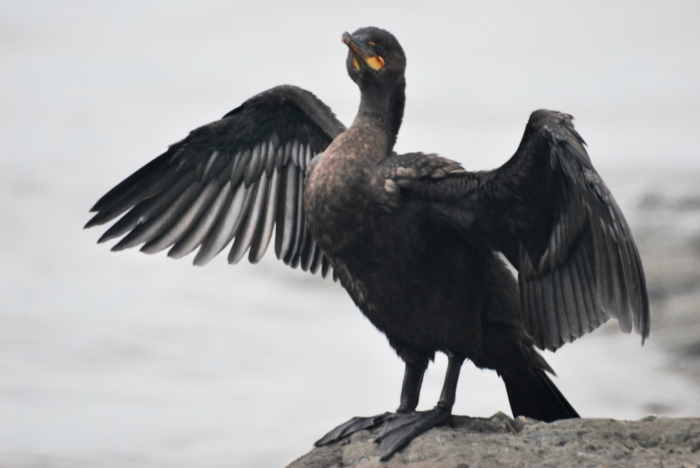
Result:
231,180
553,217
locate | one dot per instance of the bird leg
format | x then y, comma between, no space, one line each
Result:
403,428
412,383
410,392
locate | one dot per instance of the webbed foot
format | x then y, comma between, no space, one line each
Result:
354,425
405,425
403,428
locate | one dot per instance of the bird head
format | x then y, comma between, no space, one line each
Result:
375,57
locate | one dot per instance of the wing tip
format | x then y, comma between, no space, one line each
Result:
117,248
104,238
99,204
94,221
199,261
150,249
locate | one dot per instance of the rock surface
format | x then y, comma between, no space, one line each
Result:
500,441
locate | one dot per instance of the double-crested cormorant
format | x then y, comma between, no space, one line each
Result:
413,238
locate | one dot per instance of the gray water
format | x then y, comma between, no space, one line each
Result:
135,360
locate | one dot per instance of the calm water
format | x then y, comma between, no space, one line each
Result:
135,360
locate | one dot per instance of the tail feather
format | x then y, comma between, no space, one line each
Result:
511,353
534,395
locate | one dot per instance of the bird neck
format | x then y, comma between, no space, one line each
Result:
383,110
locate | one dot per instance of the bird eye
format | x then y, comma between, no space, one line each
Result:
378,47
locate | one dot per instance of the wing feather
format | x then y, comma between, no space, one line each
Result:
549,212
298,228
227,225
202,228
256,164
234,181
177,230
252,217
541,332
317,260
262,238
571,300
240,165
325,266
146,231
580,292
147,209
286,212
579,202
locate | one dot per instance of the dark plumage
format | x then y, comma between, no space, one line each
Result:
413,238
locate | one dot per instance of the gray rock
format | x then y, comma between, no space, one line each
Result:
500,441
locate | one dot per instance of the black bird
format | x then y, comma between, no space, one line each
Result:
413,238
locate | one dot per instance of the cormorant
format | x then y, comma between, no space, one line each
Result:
413,238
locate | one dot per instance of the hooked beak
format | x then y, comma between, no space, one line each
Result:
362,53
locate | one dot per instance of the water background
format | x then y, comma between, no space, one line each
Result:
134,360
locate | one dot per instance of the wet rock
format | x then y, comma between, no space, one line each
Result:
500,441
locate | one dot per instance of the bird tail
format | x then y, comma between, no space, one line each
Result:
532,394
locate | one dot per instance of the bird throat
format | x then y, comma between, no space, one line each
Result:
383,108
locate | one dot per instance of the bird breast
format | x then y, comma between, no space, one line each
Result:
338,198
